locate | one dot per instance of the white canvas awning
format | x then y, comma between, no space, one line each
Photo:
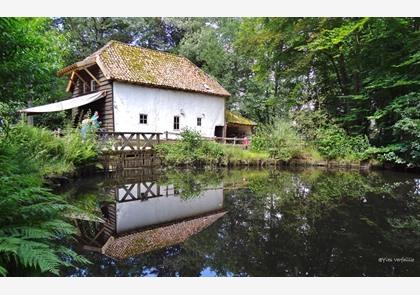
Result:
65,104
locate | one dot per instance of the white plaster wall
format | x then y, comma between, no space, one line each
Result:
137,214
161,105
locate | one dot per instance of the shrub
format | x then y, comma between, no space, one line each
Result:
77,150
54,154
309,122
334,143
279,139
190,150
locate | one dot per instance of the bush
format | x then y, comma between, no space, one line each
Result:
279,139
309,122
191,150
54,155
334,143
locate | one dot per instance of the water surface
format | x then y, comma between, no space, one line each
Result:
306,222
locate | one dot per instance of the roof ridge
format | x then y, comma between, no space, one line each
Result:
139,65
145,48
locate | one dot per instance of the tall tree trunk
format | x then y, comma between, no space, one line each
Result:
337,72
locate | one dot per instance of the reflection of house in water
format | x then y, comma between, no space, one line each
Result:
147,216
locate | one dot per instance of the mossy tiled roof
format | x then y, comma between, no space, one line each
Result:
159,237
235,118
133,64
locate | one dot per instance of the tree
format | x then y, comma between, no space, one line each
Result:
88,34
209,43
362,72
30,55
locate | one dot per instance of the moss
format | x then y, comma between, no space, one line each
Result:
155,68
235,118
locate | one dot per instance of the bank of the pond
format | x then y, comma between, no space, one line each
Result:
192,151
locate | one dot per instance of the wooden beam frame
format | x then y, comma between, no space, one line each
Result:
103,68
80,77
70,82
93,77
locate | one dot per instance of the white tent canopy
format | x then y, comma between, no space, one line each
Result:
65,104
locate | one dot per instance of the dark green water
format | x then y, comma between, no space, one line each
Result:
251,223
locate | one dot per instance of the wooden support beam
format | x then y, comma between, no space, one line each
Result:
93,77
80,77
70,82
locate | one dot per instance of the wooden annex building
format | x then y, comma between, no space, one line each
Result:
237,125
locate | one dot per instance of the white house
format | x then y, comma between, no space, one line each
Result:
141,90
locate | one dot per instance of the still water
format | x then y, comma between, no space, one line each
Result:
307,222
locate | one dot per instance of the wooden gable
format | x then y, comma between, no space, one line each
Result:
80,83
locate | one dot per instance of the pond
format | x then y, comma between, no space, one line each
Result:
304,222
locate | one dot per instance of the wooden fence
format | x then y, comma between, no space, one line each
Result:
128,141
140,141
168,136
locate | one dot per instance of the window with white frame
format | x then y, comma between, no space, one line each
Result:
93,85
143,118
176,122
198,121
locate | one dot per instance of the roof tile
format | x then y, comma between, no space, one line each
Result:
133,64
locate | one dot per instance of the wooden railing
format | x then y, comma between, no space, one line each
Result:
225,140
128,141
137,141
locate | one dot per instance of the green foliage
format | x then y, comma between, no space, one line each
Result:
190,150
361,73
279,139
351,69
233,153
334,143
77,150
54,155
88,34
32,222
308,123
192,183
400,140
30,55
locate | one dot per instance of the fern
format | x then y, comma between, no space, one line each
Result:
3,271
32,219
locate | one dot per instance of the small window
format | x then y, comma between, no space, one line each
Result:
84,88
176,123
198,121
143,119
93,85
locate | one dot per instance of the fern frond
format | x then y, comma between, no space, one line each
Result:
3,271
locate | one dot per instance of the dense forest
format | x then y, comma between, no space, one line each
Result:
338,80
320,88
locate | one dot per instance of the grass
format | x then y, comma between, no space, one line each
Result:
192,150
53,155
233,153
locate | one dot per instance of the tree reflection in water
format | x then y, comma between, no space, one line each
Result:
289,223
